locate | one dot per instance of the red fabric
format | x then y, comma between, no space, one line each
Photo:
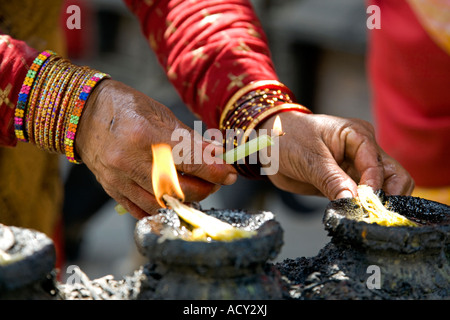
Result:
209,49
410,75
79,42
15,59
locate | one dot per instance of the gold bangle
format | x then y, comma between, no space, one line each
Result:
249,87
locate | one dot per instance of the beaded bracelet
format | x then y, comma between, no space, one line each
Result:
249,107
67,125
38,94
76,114
51,105
42,110
246,93
51,126
33,97
72,86
24,92
51,102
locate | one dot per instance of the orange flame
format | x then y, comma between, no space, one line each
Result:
277,128
164,174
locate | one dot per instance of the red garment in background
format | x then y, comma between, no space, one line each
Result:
410,75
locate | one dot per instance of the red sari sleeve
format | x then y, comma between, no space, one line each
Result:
15,60
209,49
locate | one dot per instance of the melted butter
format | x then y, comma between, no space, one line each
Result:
377,212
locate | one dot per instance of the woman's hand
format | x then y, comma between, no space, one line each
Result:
330,156
116,131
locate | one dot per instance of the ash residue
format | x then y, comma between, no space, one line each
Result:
242,219
328,275
145,284
337,273
420,210
104,288
340,272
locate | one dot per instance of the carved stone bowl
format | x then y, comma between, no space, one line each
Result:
215,269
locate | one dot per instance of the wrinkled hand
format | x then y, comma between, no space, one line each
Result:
116,131
330,156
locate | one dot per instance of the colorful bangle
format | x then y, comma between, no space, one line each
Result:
45,103
24,93
250,88
33,109
72,86
51,122
75,116
252,170
33,97
87,74
51,102
248,108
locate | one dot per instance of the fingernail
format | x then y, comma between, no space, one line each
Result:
344,194
230,179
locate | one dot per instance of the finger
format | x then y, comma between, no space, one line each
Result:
196,189
366,157
397,180
326,176
319,169
139,202
334,182
288,184
132,208
202,163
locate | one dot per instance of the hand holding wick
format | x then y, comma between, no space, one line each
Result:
330,156
254,145
119,126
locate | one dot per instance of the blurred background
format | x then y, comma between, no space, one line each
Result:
318,47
